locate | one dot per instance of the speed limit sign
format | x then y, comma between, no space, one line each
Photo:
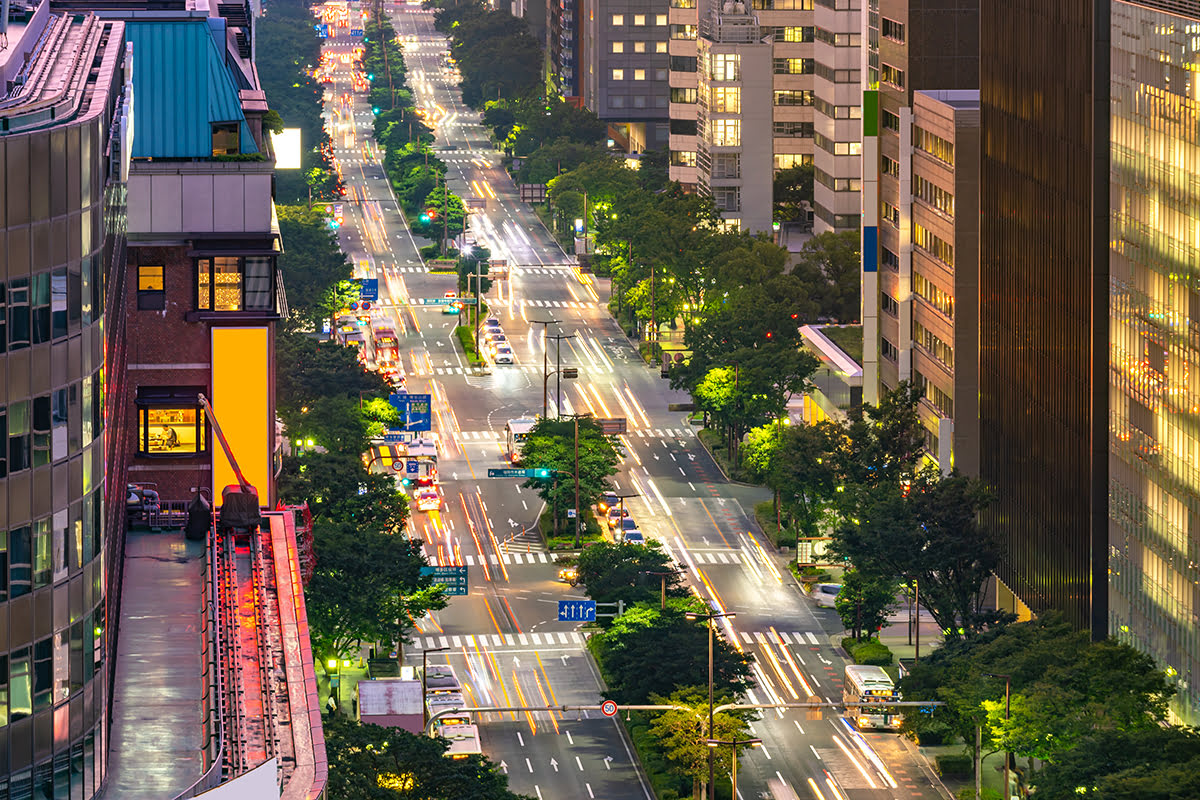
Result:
608,708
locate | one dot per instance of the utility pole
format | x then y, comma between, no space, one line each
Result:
558,337
710,793
545,355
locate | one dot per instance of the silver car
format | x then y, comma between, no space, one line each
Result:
825,594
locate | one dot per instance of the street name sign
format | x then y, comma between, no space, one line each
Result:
454,578
576,610
507,472
417,410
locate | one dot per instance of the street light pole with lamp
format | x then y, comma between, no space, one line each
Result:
424,688
545,356
1007,706
735,744
709,618
663,575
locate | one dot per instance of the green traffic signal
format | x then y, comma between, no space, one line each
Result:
406,482
541,472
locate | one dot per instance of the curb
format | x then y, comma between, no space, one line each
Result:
717,464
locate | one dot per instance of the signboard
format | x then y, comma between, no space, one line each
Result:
613,427
417,410
393,435
356,31
608,708
322,30
508,472
439,301
454,578
533,192
410,467
368,288
576,610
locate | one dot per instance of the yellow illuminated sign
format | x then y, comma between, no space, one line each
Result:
242,376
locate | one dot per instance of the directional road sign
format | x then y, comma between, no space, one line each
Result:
438,301
576,610
507,472
410,468
394,435
368,288
356,31
417,410
453,578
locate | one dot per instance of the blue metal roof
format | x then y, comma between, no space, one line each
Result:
180,87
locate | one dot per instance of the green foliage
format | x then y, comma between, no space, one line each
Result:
865,602
869,651
1159,763
544,122
647,651
551,445
667,785
466,340
804,471
473,269
498,58
830,265
684,733
307,370
337,486
368,762
445,211
612,572
792,187
273,122
759,448
954,764
563,155
312,262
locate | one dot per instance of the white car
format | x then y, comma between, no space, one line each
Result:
825,594
634,537
504,355
429,500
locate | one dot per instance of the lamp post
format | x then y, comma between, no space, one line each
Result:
572,372
735,744
1007,700
709,618
663,575
424,668
545,356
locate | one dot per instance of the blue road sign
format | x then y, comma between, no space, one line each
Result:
322,30
417,410
356,31
506,472
454,578
368,288
410,467
439,301
576,610
393,435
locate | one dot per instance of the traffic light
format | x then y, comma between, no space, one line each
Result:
424,217
406,482
542,473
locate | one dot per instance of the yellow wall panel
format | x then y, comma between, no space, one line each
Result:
242,378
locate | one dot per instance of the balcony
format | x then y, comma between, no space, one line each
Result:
185,198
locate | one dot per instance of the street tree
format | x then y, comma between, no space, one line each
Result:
555,158
928,533
683,734
551,445
649,651
883,443
441,214
337,486
499,117
831,264
803,471
1108,761
367,587
369,762
612,572
472,269
759,449
312,264
865,602
306,370
792,187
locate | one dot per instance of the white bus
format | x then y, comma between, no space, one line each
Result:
865,684
462,734
515,434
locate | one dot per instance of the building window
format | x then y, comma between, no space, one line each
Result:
618,74
661,47
150,292
170,421
943,352
682,63
934,145
941,250
890,29
889,259
682,95
837,148
838,39
726,165
616,101
727,99
727,198
225,139
793,66
618,47
933,294
889,166
794,97
660,19
789,160
793,130
790,33
888,350
18,314
890,121
618,19
725,66
832,75
940,400
892,75
934,195
639,19
639,47
639,101
683,32
683,158
682,127
889,304
725,132
660,75
782,5
639,74
889,212
234,283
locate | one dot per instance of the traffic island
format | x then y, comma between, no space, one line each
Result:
466,341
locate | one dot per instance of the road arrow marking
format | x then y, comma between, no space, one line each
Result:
608,762
553,763
564,658
512,523
516,663
504,767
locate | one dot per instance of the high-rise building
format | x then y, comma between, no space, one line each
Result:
1044,300
1154,462
837,113
741,100
63,155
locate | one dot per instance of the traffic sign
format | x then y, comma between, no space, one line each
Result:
613,427
410,467
608,708
454,578
416,408
368,288
356,31
507,472
393,435
439,301
576,610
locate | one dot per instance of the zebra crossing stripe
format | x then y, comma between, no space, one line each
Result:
443,641
759,637
508,640
457,641
537,638
745,637
524,639
811,638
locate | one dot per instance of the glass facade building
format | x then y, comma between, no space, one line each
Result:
61,228
1154,557
1043,284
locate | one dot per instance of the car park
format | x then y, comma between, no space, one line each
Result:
825,594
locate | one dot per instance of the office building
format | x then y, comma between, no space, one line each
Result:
741,101
62,222
1044,297
1154,462
839,58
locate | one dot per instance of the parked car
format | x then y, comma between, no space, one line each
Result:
634,537
825,594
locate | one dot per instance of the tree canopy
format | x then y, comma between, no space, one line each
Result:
551,445
612,572
830,264
312,263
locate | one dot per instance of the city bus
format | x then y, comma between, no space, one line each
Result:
867,684
515,434
387,346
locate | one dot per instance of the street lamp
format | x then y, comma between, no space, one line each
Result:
545,356
709,617
735,744
663,575
569,372
1007,700
424,669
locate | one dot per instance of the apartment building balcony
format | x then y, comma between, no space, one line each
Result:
184,198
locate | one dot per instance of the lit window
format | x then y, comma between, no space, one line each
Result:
618,47
726,66
660,19
639,47
639,19
618,74
727,100
725,132
170,421
150,292
225,139
660,47
618,19
235,283
639,74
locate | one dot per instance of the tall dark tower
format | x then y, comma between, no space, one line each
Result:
1044,299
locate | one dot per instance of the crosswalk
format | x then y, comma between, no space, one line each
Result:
550,269
493,641
498,436
389,302
512,559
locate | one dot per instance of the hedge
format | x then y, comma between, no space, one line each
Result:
868,651
953,764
